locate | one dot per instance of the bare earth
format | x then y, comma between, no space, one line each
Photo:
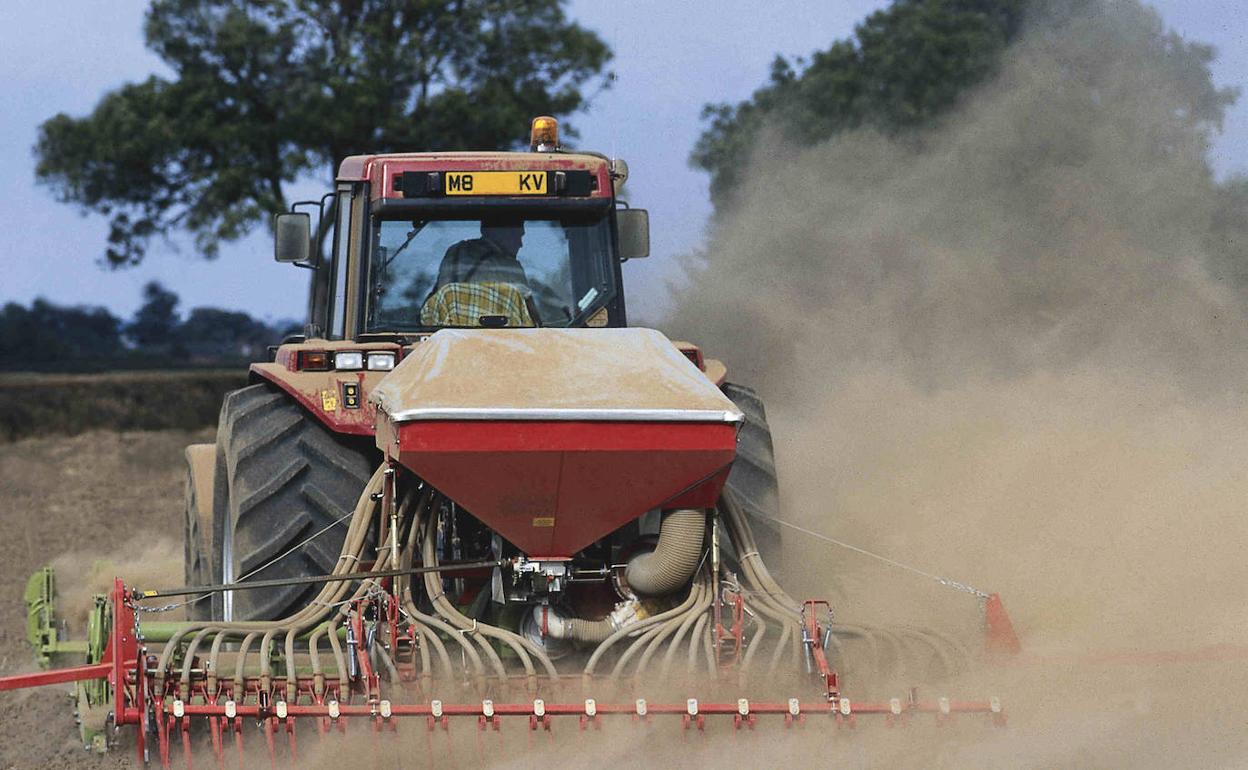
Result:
73,502
106,504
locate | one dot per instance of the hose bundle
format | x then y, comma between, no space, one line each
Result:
630,644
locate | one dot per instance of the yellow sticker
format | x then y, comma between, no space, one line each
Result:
543,521
149,593
329,400
599,318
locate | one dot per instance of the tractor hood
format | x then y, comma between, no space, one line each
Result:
555,438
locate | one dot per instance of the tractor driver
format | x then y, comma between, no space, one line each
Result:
490,258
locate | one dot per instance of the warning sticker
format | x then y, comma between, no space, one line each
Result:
329,400
543,521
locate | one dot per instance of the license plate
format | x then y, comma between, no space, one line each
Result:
497,183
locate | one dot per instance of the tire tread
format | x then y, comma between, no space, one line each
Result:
287,478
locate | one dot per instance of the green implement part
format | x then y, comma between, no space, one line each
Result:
41,625
92,700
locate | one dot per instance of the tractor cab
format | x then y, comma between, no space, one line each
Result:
426,241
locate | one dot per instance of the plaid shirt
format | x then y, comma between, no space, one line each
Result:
463,304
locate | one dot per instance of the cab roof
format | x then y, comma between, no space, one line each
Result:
383,169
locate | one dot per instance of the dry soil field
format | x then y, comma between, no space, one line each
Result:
100,504
78,502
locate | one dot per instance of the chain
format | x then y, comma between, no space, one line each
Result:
164,607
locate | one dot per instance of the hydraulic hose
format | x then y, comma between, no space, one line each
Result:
670,566
655,636
589,631
523,648
559,626
429,623
306,617
773,603
695,643
635,630
679,629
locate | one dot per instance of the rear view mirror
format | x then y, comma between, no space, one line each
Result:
634,232
292,237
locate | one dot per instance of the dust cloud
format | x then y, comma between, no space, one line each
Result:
997,351
81,576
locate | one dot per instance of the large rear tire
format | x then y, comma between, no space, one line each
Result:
753,480
197,528
286,478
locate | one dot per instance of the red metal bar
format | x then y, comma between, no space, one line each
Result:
140,707
601,709
814,632
122,650
57,676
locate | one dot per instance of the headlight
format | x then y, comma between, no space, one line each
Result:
349,360
380,362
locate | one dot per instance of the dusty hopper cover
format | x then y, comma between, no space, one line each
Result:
557,437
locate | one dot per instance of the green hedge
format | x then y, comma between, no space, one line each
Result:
64,404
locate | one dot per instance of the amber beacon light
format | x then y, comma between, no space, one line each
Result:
544,134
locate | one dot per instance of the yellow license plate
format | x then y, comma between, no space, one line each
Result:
497,183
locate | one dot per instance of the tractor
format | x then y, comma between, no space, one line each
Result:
489,242
472,492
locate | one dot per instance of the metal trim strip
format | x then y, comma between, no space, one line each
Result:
566,414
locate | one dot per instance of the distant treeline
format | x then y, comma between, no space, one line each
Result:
45,337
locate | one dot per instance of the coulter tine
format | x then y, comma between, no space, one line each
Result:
218,750
164,724
186,740
238,741
268,737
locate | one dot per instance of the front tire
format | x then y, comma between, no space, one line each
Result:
290,485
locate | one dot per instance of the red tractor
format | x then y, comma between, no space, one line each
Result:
492,242
472,492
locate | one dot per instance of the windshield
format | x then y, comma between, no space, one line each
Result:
494,272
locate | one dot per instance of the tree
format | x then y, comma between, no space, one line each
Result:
904,65
48,334
155,323
266,90
210,332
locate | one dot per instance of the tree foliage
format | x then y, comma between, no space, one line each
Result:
265,90
908,64
155,324
903,66
31,338
49,337
213,332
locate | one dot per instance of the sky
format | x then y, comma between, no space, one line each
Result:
671,58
